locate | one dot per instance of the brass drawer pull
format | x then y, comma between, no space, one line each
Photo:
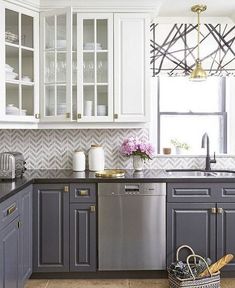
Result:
92,208
11,209
213,210
83,192
220,210
66,188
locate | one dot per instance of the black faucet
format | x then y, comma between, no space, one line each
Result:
206,142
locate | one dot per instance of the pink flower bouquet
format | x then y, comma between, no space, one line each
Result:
134,146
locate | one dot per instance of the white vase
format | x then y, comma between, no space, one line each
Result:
138,163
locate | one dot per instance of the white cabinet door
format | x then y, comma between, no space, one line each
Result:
132,68
56,65
19,64
94,67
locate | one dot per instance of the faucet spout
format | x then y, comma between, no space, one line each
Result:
206,144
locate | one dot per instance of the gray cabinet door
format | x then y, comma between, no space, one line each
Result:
226,232
192,224
9,255
25,199
50,228
83,237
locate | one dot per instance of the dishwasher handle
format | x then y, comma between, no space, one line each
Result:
132,188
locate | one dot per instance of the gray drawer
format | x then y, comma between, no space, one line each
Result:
83,192
227,192
9,210
192,192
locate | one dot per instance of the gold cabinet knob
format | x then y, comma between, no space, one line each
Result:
220,210
213,210
37,116
79,116
92,208
66,188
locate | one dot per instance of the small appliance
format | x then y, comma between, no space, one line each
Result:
12,165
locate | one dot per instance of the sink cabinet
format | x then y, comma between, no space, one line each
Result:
199,215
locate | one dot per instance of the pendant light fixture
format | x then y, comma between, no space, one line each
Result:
198,74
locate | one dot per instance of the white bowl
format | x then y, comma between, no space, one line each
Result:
11,75
8,68
12,110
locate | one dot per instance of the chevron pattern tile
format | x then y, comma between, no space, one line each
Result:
53,149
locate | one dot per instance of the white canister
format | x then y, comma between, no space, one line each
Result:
96,158
79,160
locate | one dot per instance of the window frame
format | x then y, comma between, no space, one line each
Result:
223,113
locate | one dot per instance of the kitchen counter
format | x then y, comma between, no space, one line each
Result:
8,188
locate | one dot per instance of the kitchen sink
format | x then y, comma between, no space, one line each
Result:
199,173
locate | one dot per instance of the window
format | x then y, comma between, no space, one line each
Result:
186,110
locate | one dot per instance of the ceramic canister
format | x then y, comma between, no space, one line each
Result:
96,158
79,160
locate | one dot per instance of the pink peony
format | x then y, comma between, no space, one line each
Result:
134,146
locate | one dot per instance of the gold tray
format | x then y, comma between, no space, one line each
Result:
110,173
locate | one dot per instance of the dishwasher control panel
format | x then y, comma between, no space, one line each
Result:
132,189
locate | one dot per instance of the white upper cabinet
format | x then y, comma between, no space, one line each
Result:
94,67
131,67
56,65
19,64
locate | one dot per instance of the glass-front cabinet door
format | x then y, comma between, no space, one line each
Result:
21,65
56,68
93,85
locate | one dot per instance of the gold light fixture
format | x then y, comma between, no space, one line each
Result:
198,74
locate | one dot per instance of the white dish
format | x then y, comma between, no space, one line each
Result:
23,112
12,110
101,110
61,44
26,79
8,68
11,75
91,46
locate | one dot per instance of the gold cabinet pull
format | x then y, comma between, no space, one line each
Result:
220,210
83,192
66,188
67,115
213,210
115,116
79,116
37,115
92,208
11,209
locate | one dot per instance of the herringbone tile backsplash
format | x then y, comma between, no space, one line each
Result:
53,149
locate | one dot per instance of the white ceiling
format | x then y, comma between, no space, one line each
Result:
182,8
163,8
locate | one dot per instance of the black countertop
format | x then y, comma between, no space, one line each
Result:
9,188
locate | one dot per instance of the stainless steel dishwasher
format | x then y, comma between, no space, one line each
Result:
132,226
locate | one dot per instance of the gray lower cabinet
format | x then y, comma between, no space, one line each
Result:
51,228
192,224
10,255
207,227
26,233
83,237
226,232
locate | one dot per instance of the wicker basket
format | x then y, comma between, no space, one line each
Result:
212,281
